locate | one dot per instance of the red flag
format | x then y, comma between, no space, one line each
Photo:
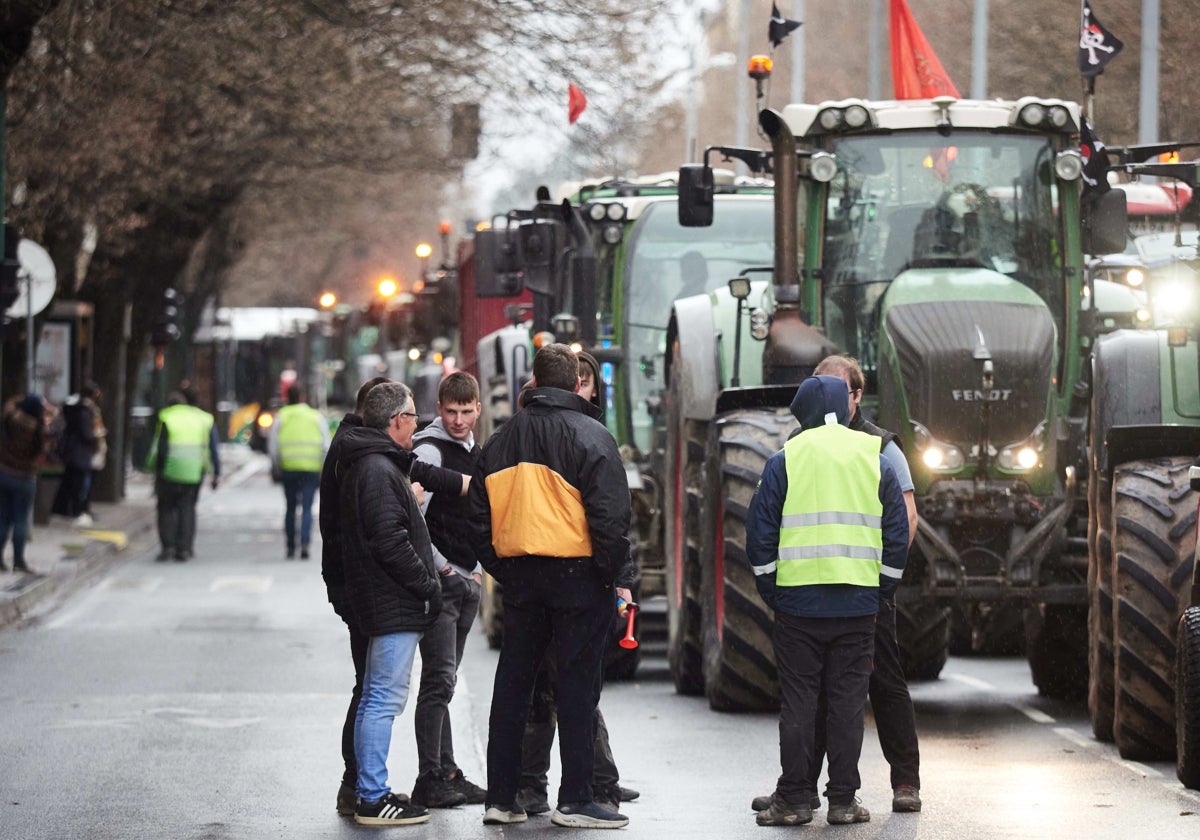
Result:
916,71
576,102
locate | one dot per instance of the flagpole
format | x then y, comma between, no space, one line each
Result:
1148,95
874,59
979,51
797,56
743,81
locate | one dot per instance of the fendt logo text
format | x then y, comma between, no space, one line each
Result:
994,395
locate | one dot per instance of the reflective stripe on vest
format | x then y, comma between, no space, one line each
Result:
300,438
188,433
831,526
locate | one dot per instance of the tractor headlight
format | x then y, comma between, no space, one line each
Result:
937,455
615,212
822,166
760,324
596,212
612,233
1068,165
1135,277
1024,456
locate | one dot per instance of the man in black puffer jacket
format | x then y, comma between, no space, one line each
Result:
550,511
434,480
391,584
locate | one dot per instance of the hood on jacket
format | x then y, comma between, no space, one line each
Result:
437,431
821,396
559,398
362,441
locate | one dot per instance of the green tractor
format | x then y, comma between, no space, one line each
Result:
1144,439
940,242
604,268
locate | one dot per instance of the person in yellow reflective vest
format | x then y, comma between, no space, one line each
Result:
297,446
827,537
183,451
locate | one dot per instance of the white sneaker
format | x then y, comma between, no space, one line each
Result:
496,815
83,520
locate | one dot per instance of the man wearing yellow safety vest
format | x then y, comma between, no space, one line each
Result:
297,446
827,536
184,449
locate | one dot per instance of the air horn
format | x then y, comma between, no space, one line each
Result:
629,610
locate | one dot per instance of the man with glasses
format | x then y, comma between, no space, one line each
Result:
391,584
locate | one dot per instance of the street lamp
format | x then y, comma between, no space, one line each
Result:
424,251
388,287
444,228
327,300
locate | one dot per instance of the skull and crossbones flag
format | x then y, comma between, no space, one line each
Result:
780,27
1097,46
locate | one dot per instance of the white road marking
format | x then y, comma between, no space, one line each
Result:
973,682
1035,715
1074,737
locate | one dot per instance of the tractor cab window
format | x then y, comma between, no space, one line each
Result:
919,202
665,262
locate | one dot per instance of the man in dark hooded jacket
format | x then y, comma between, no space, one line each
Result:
391,584
827,537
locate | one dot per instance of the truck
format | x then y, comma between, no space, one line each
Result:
940,242
603,267
1144,489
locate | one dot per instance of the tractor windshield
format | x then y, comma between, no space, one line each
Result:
916,201
666,261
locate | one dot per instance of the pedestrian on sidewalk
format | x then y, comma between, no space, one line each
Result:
183,450
77,446
392,585
22,444
333,571
550,511
297,445
449,441
827,537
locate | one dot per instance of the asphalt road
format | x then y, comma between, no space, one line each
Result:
205,699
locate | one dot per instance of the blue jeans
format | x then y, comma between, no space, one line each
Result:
384,693
299,488
16,500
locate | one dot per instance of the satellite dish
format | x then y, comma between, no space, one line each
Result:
36,279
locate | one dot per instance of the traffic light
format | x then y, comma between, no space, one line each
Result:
9,268
166,325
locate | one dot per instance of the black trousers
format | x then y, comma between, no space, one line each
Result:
176,506
358,652
815,656
539,739
563,606
891,704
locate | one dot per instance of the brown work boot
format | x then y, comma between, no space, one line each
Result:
782,813
906,799
852,812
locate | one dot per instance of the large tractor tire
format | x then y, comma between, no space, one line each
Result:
682,511
923,632
1187,699
739,656
1154,542
1101,688
1056,645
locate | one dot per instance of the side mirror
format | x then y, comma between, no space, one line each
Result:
498,270
1105,222
695,195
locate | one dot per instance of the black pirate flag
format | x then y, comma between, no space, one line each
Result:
1097,46
1095,160
780,26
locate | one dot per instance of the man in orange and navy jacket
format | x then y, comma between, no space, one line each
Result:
550,511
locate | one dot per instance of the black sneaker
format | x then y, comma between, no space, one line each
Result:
391,810
628,794
847,814
433,791
346,800
474,793
780,812
501,815
165,555
532,801
303,552
587,815
762,803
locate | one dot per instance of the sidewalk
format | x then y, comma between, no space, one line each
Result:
63,557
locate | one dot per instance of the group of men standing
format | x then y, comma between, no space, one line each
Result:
409,521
